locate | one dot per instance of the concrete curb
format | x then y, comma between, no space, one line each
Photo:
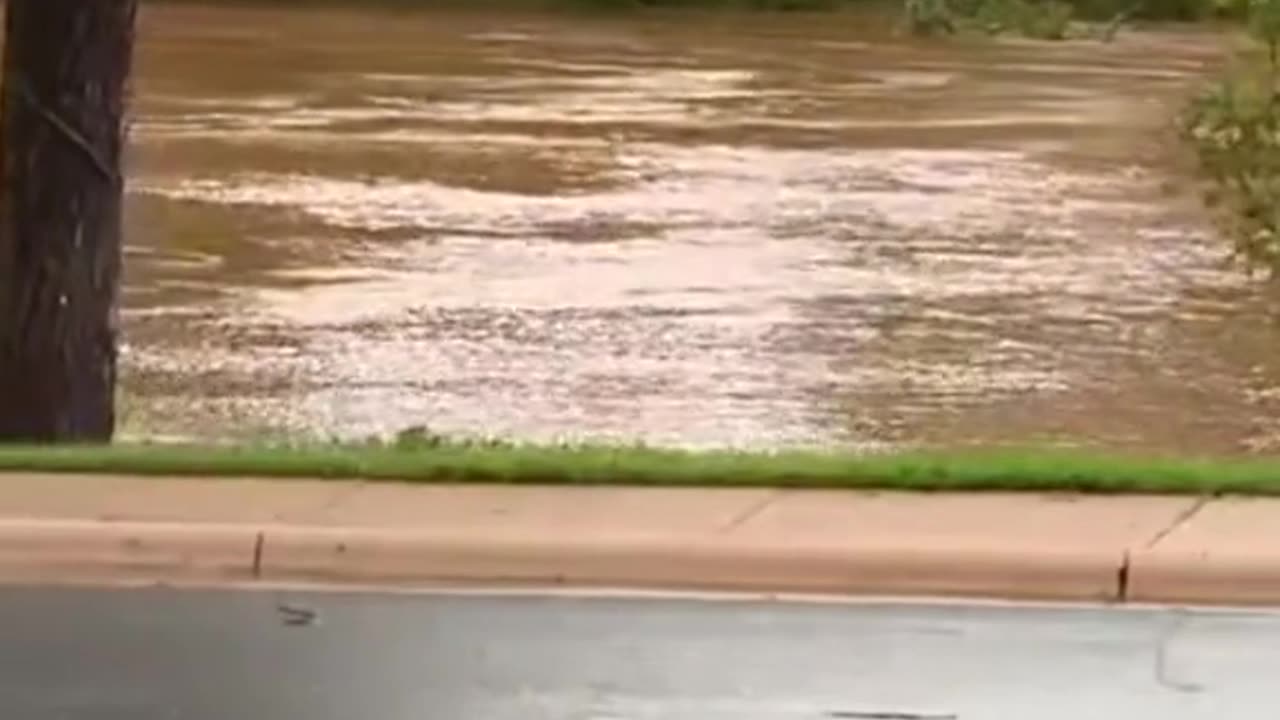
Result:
1036,547
1204,580
88,551
75,550
372,557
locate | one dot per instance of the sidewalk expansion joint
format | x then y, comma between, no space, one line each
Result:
1182,519
258,544
1122,578
752,512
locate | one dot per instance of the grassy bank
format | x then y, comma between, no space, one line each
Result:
600,465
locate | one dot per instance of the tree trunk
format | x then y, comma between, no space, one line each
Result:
62,133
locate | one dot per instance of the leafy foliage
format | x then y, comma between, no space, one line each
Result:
1236,130
1235,127
1040,19
929,17
1264,25
1043,20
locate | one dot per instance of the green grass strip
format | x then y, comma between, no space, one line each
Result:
609,465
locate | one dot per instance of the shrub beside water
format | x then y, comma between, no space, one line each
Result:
1236,132
1045,20
1050,19
1235,129
765,5
1040,19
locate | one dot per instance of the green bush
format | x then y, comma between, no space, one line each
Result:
1264,25
1043,19
773,5
1184,10
1235,127
1230,9
1236,130
928,17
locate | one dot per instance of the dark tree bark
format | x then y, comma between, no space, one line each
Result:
62,133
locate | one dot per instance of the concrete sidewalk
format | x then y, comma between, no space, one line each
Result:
63,528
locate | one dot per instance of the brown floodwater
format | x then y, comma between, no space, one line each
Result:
757,231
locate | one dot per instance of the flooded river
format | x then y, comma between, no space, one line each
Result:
758,231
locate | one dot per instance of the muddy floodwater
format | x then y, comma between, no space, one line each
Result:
756,231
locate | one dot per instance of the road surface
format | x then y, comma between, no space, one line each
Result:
200,655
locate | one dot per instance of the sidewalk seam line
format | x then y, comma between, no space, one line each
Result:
751,512
1122,577
1181,519
258,544
342,495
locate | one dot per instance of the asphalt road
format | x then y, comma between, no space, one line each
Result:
147,655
